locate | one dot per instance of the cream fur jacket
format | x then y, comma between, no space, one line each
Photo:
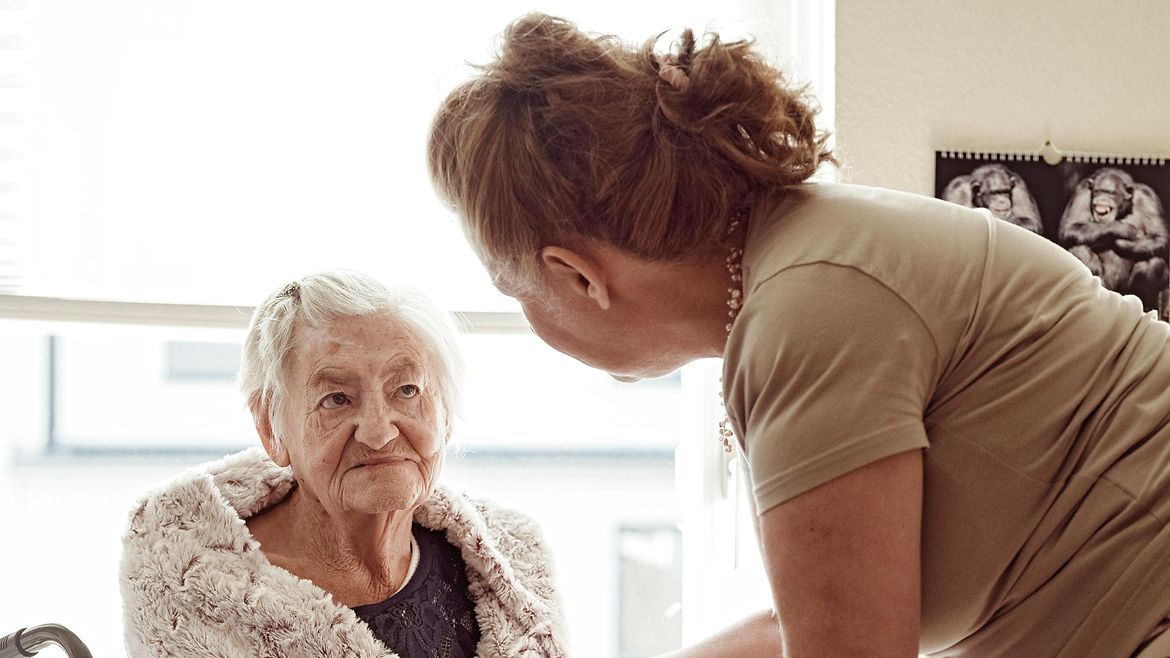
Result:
194,582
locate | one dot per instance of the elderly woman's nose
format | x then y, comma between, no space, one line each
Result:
377,426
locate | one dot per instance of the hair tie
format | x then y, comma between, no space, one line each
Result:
674,75
292,290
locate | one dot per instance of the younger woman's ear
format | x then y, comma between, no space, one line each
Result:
262,417
580,274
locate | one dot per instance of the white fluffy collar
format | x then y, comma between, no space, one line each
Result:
190,537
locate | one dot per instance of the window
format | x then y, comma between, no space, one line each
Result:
650,573
100,419
162,163
190,360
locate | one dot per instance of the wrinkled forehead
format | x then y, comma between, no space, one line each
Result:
369,345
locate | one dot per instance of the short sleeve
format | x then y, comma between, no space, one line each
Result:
826,370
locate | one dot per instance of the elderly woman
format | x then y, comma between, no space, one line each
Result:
336,539
958,440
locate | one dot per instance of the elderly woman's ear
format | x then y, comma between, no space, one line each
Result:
262,417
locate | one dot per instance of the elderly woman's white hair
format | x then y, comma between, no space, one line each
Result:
321,299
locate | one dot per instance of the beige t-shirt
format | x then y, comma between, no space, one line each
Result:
877,322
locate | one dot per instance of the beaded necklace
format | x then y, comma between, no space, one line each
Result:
734,304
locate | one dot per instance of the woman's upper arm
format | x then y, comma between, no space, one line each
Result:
843,562
830,380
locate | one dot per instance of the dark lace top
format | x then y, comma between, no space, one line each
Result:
432,616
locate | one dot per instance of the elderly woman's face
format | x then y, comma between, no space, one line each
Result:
363,426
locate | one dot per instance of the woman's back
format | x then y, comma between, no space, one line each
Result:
879,322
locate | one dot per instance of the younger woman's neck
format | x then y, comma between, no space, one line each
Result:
690,298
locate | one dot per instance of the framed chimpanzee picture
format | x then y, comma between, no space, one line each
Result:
1110,212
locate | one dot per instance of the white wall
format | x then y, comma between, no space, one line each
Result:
914,76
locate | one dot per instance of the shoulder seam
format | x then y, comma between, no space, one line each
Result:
899,297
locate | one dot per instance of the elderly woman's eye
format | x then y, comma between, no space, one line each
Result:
334,400
409,390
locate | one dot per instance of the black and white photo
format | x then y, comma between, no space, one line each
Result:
1109,212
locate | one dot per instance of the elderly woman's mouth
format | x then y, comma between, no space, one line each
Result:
383,461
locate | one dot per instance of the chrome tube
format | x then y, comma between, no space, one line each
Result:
28,641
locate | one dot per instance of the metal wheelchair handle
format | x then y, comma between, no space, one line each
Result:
28,641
